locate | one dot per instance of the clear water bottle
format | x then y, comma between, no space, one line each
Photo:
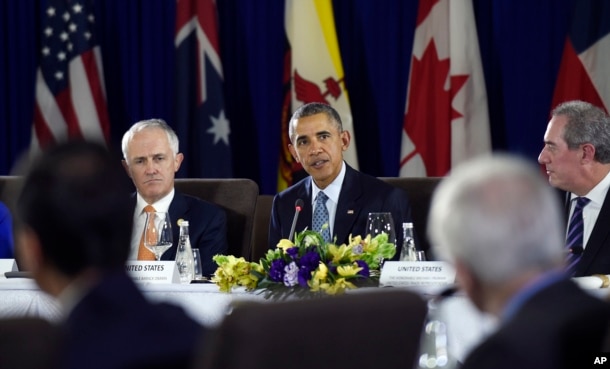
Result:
408,251
184,255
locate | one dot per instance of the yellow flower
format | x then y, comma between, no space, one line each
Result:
348,270
339,253
285,244
339,286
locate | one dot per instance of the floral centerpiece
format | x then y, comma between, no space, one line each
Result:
309,264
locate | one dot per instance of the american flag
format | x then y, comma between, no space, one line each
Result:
200,118
70,94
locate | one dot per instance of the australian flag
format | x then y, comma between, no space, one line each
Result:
583,74
200,118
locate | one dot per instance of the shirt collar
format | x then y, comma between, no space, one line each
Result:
332,190
161,205
597,195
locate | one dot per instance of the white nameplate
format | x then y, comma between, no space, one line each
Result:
416,273
7,265
153,271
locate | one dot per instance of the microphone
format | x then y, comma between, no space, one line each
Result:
298,206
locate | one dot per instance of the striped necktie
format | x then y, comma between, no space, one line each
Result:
574,239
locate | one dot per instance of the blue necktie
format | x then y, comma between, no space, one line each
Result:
574,239
320,216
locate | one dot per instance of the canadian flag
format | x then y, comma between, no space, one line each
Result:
446,117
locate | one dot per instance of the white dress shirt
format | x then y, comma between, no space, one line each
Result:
332,191
597,195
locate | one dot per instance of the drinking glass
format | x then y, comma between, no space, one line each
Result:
378,223
197,264
158,233
420,255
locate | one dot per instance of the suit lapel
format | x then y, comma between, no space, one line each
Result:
305,216
349,206
596,240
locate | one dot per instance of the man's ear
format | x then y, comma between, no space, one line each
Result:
588,152
293,152
177,161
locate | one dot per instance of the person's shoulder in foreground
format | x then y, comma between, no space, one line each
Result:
75,224
500,224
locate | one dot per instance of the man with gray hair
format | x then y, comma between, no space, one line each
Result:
151,159
576,156
500,224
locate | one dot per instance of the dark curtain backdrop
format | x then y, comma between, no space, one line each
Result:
521,43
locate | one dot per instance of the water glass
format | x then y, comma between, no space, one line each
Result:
197,264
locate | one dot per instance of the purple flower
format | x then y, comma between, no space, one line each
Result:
293,252
310,260
365,268
290,278
276,270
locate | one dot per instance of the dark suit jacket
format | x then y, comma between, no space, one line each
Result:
596,255
561,326
360,195
114,326
207,228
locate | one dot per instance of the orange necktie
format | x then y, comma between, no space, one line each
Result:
143,252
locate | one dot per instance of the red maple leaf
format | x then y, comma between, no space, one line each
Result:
429,114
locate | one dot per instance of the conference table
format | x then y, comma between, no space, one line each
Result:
19,297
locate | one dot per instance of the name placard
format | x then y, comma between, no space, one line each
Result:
153,271
416,273
7,265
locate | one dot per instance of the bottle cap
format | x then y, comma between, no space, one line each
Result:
184,222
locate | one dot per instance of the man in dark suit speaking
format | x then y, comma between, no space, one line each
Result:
151,159
318,141
576,156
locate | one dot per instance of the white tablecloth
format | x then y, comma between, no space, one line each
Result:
21,297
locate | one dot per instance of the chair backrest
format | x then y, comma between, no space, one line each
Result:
260,229
376,329
420,190
237,196
29,343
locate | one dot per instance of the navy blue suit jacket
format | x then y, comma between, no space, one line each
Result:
595,258
360,195
561,326
113,326
207,229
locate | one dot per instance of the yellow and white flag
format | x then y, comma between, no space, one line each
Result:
316,70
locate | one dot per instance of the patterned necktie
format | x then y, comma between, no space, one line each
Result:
574,239
143,252
320,216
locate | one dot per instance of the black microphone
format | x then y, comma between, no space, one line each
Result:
298,206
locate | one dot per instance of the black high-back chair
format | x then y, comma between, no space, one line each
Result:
363,329
237,196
